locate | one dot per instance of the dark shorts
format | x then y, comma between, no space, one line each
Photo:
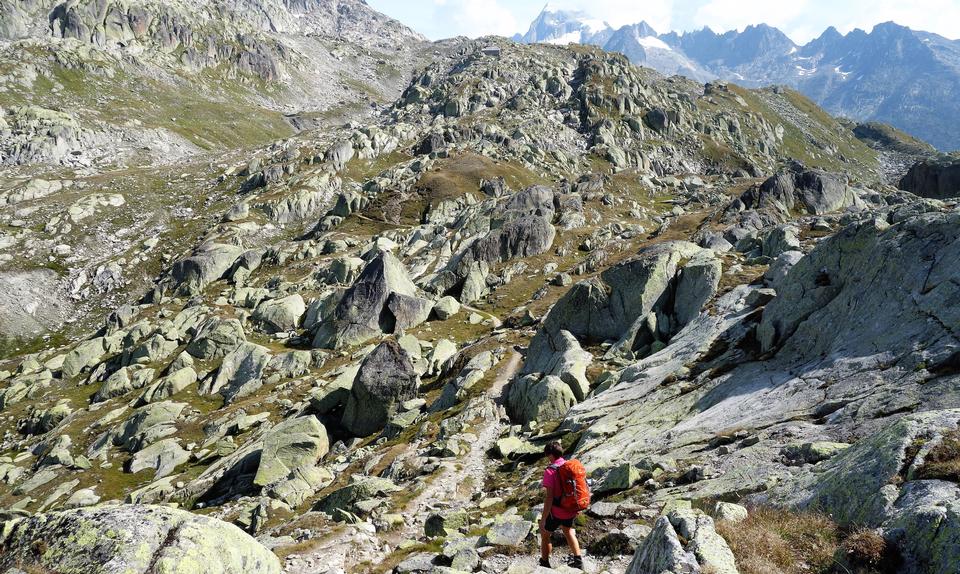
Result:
553,523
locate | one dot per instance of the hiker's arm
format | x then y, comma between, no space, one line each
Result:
547,506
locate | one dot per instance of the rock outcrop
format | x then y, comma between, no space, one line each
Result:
206,265
632,304
935,178
883,482
132,539
363,311
386,378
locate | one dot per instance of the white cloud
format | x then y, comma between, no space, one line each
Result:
657,13
804,20
723,15
938,16
475,18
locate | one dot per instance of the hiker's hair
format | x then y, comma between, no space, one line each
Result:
553,448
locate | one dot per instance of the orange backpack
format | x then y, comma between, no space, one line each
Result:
574,491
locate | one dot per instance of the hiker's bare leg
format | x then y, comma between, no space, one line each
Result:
545,545
571,535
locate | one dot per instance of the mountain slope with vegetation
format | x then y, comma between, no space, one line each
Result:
344,350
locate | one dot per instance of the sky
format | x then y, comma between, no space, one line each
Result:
802,20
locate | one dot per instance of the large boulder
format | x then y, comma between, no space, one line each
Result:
292,444
86,354
699,279
564,359
684,541
358,495
163,456
661,552
536,200
207,264
523,237
386,378
121,382
937,178
169,385
130,539
148,424
813,191
280,315
216,338
407,312
240,373
362,313
535,398
465,274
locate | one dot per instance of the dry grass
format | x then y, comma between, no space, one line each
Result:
774,541
865,548
943,460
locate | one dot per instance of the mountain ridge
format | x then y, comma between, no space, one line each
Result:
344,349
867,76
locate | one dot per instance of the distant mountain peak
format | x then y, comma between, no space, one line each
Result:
871,75
565,27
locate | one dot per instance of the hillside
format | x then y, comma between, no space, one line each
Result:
344,350
88,84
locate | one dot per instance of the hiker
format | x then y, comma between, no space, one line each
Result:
565,495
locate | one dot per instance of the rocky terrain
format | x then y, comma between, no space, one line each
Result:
77,76
344,350
891,74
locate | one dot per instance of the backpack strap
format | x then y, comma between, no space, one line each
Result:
557,485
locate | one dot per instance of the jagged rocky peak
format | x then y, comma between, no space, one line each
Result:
565,27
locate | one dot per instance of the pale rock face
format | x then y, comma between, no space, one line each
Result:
532,398
278,315
163,456
662,551
241,371
216,338
699,549
142,539
210,263
874,483
292,444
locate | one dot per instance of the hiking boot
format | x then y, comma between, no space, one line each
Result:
545,562
576,562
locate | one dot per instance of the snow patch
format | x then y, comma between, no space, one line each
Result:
653,42
568,38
